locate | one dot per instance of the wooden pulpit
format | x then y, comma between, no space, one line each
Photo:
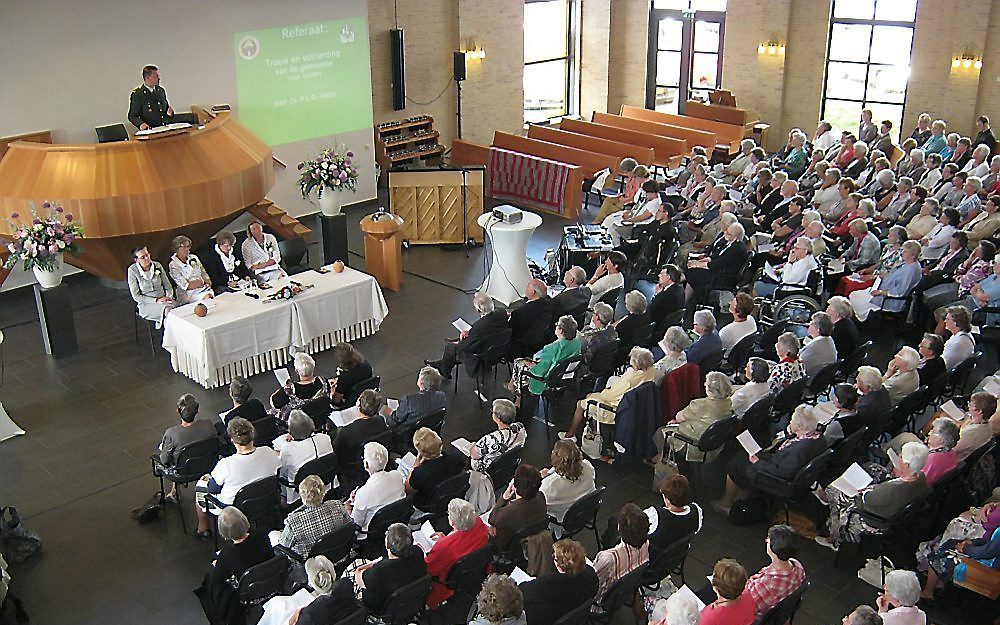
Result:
383,248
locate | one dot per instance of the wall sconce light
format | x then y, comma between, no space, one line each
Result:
473,50
967,61
772,48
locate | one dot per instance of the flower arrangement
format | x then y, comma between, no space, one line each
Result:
39,243
332,169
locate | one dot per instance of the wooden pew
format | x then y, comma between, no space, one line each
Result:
727,135
619,149
667,151
693,137
589,162
466,153
719,113
42,136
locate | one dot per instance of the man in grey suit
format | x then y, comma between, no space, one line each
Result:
821,350
576,293
427,400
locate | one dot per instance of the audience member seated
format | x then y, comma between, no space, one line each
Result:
733,606
187,272
757,372
468,534
428,400
250,408
679,516
404,565
897,604
608,276
845,332
599,332
531,323
553,595
972,526
241,551
261,253
898,284
722,267
668,294
789,367
149,286
693,420
542,363
924,221
935,243
635,320
901,377
382,487
794,273
874,405
883,498
782,460
509,434
931,364
518,507
191,429
430,468
670,353
309,392
621,224
352,370
960,346
224,267
570,478
298,447
499,602
708,342
473,341
972,432
633,551
576,293
232,473
350,440
329,600
602,406
632,185
769,586
743,323
892,257
311,521
820,350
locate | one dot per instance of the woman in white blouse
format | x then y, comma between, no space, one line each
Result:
937,241
261,253
961,346
743,323
570,478
828,193
187,272
924,221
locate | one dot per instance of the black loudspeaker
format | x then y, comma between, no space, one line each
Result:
459,66
334,238
398,75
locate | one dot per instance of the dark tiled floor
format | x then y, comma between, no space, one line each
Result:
94,418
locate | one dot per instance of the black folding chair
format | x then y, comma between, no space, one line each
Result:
335,546
738,356
849,365
576,616
820,382
769,338
467,575
611,297
259,501
582,515
621,594
403,433
453,487
263,581
193,461
404,604
501,470
787,399
714,437
787,491
358,617
372,546
668,562
324,467
784,612
757,420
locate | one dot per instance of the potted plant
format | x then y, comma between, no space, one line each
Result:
333,170
40,245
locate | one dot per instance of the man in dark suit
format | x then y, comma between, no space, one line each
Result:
531,324
668,296
576,294
147,104
931,364
845,332
475,339
404,564
635,323
721,270
427,400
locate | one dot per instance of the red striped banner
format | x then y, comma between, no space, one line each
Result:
536,181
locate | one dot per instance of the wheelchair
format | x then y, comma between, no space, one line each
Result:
794,304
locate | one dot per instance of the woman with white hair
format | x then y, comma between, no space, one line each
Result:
797,160
330,600
693,420
893,205
468,533
789,367
936,242
309,389
708,343
897,284
672,347
924,221
241,551
601,406
635,320
884,499
299,446
188,273
678,609
311,521
897,604
794,273
828,192
382,487
781,460
901,376
510,433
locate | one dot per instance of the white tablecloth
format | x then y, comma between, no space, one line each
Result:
244,336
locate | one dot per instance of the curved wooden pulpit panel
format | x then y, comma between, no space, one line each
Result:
140,192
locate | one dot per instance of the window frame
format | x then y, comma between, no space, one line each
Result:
688,19
873,23
571,59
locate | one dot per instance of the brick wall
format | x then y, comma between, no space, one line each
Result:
627,67
595,56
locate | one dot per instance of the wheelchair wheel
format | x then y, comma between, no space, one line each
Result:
797,309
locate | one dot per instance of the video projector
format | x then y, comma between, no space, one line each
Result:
507,214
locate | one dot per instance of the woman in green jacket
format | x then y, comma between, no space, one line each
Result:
565,346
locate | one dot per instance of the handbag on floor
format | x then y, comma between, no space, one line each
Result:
591,442
666,467
17,543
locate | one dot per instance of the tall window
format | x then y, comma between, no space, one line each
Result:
869,61
550,51
685,52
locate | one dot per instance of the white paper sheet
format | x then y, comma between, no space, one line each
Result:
8,429
654,519
953,411
852,481
684,591
520,576
992,387
765,247
424,537
344,417
405,464
893,458
836,265
282,375
749,443
771,272
461,325
463,446
392,403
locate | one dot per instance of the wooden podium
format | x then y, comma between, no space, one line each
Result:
383,249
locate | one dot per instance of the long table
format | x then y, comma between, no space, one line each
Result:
242,336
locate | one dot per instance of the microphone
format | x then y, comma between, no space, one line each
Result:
253,295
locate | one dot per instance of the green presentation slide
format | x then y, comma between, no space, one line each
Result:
304,81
